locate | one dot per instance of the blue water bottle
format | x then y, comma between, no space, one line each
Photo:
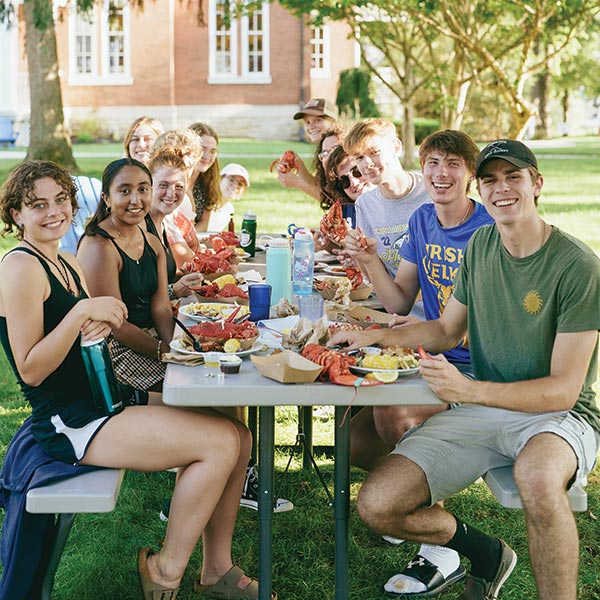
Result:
103,383
303,262
279,270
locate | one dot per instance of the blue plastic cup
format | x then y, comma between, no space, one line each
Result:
259,295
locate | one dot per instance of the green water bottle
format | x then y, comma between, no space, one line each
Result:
248,233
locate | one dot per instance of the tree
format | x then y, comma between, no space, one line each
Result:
354,96
49,138
488,43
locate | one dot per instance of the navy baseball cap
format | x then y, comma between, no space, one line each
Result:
512,151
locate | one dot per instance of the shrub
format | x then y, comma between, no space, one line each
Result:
423,127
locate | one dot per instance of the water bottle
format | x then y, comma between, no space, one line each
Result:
248,233
103,382
279,270
303,262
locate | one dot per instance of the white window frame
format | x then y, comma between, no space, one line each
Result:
215,76
100,45
323,72
240,35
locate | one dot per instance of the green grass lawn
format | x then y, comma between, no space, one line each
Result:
99,561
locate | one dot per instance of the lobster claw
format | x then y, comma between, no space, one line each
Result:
353,380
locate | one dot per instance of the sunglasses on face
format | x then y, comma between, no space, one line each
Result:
345,179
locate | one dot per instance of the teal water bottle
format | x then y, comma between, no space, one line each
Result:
248,233
103,383
279,270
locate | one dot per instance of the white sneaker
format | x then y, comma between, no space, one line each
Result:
392,540
249,497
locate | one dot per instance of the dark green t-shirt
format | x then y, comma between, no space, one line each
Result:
516,306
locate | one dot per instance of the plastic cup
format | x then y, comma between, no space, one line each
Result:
311,307
211,363
259,295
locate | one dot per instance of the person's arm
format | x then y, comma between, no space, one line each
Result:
100,262
160,306
303,180
24,289
435,336
571,355
202,223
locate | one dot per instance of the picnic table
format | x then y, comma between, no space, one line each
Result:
188,386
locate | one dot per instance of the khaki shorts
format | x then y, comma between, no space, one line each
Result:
455,447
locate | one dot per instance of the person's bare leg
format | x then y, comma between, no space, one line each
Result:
366,447
392,422
154,438
218,533
552,533
392,501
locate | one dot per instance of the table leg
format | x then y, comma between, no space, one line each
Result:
307,429
253,426
266,448
341,501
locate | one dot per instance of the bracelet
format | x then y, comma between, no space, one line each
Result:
171,290
158,352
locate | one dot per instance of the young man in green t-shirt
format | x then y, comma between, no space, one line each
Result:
528,295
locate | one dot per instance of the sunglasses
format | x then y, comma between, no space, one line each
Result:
345,179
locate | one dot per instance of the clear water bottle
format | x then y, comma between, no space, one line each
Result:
279,270
103,383
248,233
303,262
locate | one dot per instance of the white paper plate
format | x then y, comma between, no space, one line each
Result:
225,310
323,256
401,372
177,346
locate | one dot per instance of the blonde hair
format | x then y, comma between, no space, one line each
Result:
356,140
153,123
184,141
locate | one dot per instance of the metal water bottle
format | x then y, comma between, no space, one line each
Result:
248,233
103,383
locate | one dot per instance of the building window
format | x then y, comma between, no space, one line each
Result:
319,58
239,45
99,45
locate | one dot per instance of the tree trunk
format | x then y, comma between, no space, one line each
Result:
408,135
540,96
49,138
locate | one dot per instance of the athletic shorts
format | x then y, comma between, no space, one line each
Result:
456,447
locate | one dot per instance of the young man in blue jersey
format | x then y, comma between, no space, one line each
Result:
527,294
432,251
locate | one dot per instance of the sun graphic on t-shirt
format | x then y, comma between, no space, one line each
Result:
532,302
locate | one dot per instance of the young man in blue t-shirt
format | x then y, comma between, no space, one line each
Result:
431,254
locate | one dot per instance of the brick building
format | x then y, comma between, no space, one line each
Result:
245,76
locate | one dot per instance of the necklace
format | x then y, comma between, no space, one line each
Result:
60,267
543,235
464,218
410,186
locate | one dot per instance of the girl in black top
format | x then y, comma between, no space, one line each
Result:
44,309
120,259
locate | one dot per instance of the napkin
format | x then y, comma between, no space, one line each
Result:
252,276
189,360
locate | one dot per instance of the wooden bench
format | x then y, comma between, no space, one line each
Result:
91,492
502,484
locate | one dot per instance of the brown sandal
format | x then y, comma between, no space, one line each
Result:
227,587
150,589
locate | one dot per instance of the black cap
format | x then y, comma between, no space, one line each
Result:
512,151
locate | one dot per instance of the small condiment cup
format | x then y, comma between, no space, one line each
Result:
230,363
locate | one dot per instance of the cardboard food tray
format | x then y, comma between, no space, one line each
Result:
360,293
213,276
287,367
367,316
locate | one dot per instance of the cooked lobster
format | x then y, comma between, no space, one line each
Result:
333,226
335,366
286,163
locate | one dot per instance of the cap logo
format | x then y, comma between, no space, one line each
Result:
312,103
495,148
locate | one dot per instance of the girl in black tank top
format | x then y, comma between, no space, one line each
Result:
43,311
120,259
